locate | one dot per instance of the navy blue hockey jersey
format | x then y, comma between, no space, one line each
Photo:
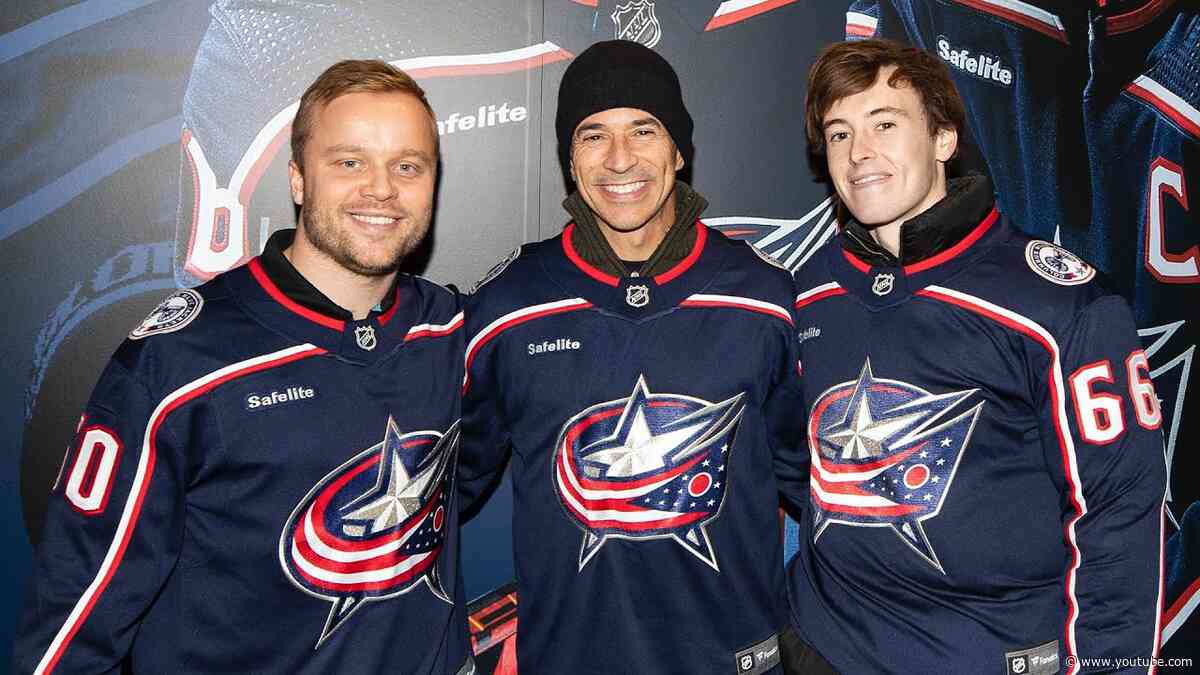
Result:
646,418
1112,186
987,476
258,488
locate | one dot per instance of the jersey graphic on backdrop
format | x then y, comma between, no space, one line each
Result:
220,237
884,456
788,242
373,528
650,466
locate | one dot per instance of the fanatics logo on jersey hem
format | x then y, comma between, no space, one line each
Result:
559,345
276,398
983,66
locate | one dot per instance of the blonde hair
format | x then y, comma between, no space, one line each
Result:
349,77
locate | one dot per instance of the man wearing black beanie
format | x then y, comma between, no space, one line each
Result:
641,371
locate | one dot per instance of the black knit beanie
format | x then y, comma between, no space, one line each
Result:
621,74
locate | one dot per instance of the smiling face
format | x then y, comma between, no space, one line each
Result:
624,163
366,190
885,164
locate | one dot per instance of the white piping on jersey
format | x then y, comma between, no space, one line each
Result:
1189,605
141,483
1168,102
525,313
760,306
1024,9
434,329
1057,392
812,293
866,22
367,576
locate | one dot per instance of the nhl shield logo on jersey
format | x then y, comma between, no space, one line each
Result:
373,528
883,284
365,337
884,453
176,311
649,466
637,295
1057,264
636,21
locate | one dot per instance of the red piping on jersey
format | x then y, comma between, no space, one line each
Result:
1164,107
387,316
150,447
686,263
1017,18
829,293
762,7
573,255
605,278
858,263
278,296
702,300
482,339
967,241
1055,402
1176,607
429,330
1136,18
933,261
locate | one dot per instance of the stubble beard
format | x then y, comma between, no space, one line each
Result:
322,232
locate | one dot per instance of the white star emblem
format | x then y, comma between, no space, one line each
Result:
403,494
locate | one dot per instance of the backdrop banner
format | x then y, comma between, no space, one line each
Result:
146,145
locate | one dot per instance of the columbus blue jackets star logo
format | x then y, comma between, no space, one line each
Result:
649,466
373,528
884,455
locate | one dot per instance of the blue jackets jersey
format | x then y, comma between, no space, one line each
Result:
986,462
1114,189
646,418
255,487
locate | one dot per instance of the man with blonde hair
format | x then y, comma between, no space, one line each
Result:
262,481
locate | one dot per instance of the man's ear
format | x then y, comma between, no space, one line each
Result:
678,159
945,142
296,181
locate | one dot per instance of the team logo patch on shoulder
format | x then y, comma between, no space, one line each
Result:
497,269
648,466
766,258
177,311
1057,264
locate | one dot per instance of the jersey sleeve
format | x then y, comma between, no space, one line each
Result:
485,443
784,411
1104,446
113,532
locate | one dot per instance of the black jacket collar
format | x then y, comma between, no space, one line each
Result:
293,284
968,201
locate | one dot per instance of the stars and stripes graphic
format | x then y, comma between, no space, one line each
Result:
884,454
373,528
648,466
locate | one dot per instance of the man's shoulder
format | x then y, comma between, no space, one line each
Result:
516,280
1034,279
192,332
747,271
